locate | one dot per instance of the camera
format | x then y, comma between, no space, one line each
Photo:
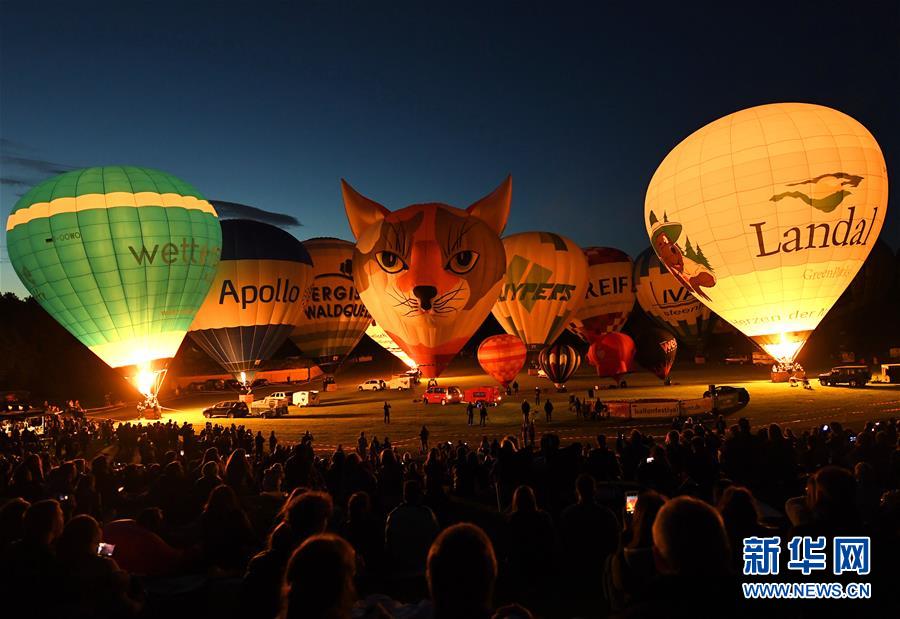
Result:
105,550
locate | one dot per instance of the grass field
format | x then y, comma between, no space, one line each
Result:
343,414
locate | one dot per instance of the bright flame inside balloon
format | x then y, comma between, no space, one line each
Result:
243,378
147,381
785,349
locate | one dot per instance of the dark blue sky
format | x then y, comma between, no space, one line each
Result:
270,104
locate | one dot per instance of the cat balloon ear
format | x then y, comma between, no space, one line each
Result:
493,209
361,211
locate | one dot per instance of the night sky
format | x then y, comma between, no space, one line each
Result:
270,104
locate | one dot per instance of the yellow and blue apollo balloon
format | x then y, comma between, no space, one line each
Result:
544,285
767,214
256,297
334,318
122,257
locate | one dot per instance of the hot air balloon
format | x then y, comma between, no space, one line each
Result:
612,355
122,257
502,357
381,337
255,299
559,362
334,318
767,214
656,350
610,294
429,273
668,303
545,283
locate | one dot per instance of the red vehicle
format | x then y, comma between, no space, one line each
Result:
442,395
490,396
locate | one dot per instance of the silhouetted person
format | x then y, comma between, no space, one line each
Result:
548,410
423,437
93,585
387,412
410,529
537,396
470,414
526,411
515,387
462,570
318,583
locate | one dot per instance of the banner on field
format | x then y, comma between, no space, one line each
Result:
701,406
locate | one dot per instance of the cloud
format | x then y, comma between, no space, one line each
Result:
21,171
233,210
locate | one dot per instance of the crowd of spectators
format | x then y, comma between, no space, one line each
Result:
132,520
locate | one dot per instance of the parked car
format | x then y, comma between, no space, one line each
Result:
214,384
259,382
373,384
489,396
737,359
442,395
228,408
853,375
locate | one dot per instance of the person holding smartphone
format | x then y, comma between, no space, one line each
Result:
631,568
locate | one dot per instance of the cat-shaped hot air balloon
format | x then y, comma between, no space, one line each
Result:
429,273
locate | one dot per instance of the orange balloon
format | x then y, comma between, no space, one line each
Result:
429,273
502,357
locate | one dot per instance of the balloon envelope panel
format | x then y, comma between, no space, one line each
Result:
122,257
767,214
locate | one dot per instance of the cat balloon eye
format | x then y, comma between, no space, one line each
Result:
390,262
462,261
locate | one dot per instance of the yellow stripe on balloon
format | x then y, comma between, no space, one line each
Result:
113,199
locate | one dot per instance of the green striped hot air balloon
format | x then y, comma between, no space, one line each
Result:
122,257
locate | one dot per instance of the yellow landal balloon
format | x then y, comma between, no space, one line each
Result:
767,214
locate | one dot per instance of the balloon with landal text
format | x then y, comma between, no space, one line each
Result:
767,214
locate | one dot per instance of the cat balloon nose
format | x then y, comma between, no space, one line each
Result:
425,294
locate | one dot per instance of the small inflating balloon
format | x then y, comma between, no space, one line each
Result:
502,357
767,214
656,350
559,362
612,355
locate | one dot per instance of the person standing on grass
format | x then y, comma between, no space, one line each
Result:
482,414
526,410
537,396
470,414
387,412
423,436
548,410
